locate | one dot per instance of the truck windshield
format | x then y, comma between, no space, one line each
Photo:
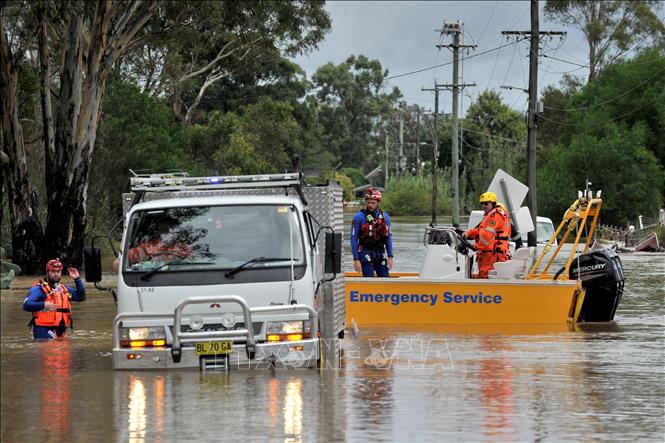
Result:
213,237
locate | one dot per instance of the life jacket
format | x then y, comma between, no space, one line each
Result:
503,232
493,232
63,313
374,230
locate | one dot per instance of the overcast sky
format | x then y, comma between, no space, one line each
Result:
402,35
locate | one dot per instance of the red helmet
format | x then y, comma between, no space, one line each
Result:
54,265
373,194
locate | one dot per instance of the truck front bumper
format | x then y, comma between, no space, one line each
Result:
292,355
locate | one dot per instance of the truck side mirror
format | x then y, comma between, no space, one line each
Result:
333,256
92,258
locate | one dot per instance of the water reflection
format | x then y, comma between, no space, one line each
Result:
137,412
293,411
496,393
55,387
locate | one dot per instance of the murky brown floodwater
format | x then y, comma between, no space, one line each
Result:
478,383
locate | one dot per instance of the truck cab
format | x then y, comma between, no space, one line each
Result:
226,272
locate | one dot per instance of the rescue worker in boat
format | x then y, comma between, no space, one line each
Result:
50,302
371,238
515,235
491,235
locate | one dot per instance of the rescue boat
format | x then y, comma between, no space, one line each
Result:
587,287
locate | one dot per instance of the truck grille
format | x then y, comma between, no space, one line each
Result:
256,327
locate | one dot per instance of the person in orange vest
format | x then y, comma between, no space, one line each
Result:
50,301
515,235
491,235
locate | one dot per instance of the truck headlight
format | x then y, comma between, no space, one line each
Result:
294,330
152,336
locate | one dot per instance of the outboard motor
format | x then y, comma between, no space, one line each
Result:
602,276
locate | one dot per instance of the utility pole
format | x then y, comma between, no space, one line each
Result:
385,182
455,29
534,34
533,104
401,159
417,141
435,146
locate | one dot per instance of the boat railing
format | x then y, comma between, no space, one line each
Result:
578,221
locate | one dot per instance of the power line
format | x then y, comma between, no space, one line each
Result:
482,34
496,60
450,63
510,65
583,108
565,61
643,105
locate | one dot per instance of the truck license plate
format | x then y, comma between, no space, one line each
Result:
214,347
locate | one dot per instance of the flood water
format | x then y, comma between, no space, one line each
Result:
476,383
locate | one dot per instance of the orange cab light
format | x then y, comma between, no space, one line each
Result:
284,337
133,356
160,342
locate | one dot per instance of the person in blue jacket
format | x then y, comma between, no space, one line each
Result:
371,238
50,302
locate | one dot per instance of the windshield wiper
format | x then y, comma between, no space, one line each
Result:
146,276
239,268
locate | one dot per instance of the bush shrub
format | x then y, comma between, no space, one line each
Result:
413,195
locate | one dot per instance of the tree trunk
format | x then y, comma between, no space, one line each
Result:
86,63
26,230
47,110
593,43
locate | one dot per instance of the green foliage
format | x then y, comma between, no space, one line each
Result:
631,92
193,45
352,108
611,28
136,132
494,137
614,159
355,174
260,138
613,129
343,180
409,195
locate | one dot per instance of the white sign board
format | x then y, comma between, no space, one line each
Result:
515,190
524,222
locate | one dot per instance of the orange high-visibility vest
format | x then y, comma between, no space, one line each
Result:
61,297
493,232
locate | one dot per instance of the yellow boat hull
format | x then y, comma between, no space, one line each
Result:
407,299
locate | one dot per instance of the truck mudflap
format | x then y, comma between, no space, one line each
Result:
246,352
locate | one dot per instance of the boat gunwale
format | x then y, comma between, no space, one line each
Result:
491,281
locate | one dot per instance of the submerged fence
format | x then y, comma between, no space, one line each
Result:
633,234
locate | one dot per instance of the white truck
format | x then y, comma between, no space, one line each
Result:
226,272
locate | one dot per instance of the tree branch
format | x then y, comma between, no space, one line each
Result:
126,36
220,56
